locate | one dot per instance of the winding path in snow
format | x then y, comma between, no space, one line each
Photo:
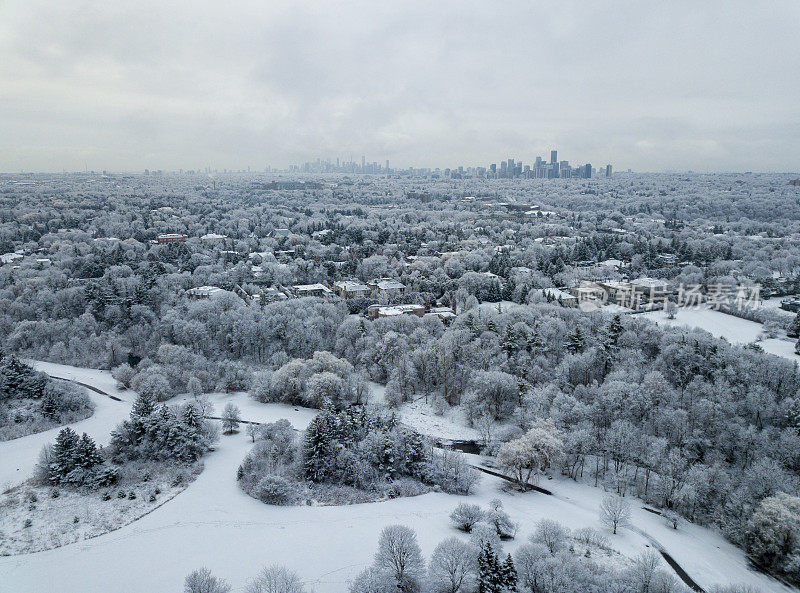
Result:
214,524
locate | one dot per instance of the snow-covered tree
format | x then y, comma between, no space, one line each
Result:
615,512
540,448
276,579
452,567
466,515
202,581
400,554
231,417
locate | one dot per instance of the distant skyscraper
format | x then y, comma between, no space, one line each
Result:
587,171
608,170
387,165
553,156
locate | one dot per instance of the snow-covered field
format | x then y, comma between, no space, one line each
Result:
214,524
734,329
74,516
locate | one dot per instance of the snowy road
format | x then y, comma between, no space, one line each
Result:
214,524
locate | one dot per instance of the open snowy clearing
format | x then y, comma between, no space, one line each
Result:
721,325
422,417
213,523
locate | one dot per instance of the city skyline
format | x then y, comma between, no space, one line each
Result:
652,88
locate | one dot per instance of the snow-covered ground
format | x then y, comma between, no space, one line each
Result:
254,411
422,417
214,524
18,457
734,329
449,426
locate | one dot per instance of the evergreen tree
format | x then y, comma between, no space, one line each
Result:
415,459
86,453
794,328
509,345
793,415
143,406
317,446
508,575
535,341
49,404
489,576
64,458
575,341
613,332
19,380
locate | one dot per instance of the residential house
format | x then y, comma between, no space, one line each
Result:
351,289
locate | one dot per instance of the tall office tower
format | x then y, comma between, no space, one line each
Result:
363,162
608,170
387,165
587,171
493,167
503,168
553,156
556,169
510,167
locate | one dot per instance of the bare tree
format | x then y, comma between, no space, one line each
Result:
452,566
466,515
550,534
615,512
276,579
202,581
400,554
644,570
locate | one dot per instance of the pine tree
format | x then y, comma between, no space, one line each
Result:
509,345
64,455
489,576
508,575
793,415
415,459
143,406
86,453
794,328
613,332
317,446
575,341
535,342
49,404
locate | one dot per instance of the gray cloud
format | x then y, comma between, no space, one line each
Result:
706,86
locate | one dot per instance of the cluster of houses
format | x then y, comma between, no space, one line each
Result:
378,289
640,294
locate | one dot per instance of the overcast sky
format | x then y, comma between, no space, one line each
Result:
701,85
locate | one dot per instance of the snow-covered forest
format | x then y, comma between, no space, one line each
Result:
353,341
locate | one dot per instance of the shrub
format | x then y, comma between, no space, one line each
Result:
124,374
450,471
499,519
465,516
277,490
